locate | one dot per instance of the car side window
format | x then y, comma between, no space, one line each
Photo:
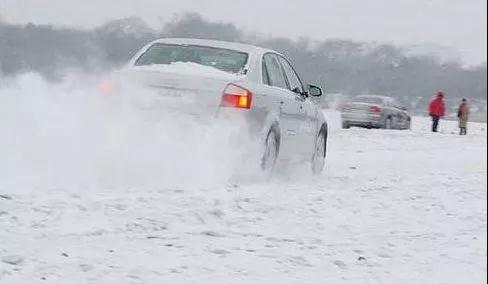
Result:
272,69
265,74
293,80
395,104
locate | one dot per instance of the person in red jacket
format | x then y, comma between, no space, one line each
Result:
437,109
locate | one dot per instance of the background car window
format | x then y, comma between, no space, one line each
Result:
275,74
395,104
293,79
392,103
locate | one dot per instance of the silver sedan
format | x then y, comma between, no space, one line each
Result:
373,111
259,85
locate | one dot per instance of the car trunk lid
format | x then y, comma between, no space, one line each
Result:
185,87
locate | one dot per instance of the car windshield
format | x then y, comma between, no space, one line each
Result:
368,100
223,59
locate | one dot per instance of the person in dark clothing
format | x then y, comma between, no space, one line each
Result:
437,109
463,114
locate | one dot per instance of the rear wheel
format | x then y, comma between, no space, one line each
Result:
388,123
345,125
270,154
318,159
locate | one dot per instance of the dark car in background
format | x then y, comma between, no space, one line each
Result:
373,111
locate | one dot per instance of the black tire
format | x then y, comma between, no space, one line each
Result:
320,152
388,123
271,150
345,125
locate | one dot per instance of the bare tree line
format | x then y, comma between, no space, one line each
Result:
341,66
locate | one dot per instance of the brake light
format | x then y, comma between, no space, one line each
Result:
106,88
236,96
375,108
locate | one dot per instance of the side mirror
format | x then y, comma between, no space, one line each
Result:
314,91
297,91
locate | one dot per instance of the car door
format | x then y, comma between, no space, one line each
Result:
306,134
289,104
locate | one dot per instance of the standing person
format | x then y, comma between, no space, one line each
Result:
463,114
437,109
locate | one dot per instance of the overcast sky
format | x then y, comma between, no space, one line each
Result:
459,25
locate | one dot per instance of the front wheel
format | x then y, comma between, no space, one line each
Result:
388,123
318,159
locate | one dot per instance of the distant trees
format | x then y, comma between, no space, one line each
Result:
118,40
193,25
341,66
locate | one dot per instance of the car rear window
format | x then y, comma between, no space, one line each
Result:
223,59
368,100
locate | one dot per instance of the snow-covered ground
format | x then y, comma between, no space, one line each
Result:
391,207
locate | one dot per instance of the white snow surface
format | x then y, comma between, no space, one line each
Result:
92,190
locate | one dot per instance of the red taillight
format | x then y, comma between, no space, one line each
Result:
375,108
236,96
106,88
